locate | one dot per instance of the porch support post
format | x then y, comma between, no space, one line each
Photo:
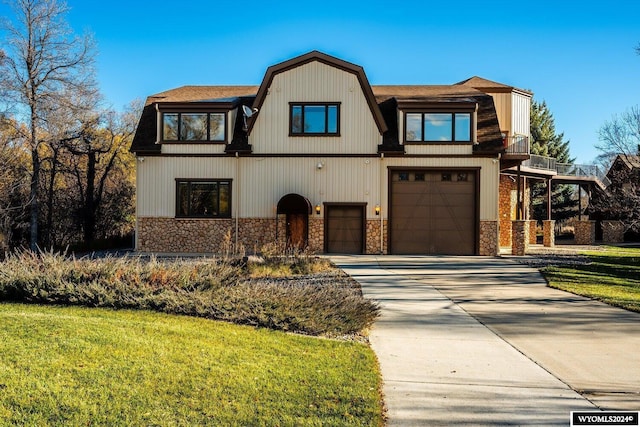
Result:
548,233
519,195
579,202
519,237
549,199
585,232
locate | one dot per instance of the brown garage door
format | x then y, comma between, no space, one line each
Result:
433,212
344,229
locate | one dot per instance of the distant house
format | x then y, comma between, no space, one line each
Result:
619,202
317,158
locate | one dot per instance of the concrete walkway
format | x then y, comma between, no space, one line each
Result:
483,341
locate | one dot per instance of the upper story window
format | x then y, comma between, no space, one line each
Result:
314,119
193,127
203,198
438,127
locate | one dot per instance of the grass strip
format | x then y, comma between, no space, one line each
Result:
612,276
82,366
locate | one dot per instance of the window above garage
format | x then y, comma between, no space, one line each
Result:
438,127
438,122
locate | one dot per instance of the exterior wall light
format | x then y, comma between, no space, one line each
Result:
377,209
317,209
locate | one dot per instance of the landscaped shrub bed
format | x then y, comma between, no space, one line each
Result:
294,293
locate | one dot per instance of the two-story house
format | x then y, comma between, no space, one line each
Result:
317,158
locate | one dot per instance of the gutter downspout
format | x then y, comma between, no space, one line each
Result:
237,199
381,211
158,124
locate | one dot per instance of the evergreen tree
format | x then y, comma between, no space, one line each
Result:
545,141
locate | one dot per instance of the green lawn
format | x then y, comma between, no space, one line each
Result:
93,366
613,277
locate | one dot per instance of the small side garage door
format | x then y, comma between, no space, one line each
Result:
344,229
433,212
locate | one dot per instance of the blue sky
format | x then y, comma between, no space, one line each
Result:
578,56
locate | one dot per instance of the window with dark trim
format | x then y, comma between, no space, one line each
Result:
203,198
437,127
314,119
193,127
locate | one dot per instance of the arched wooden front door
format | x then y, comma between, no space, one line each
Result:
297,210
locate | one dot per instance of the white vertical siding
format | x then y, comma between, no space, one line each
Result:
315,82
185,148
439,149
521,114
259,183
157,176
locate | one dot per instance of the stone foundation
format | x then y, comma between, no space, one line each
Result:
520,237
254,233
316,235
613,231
177,235
549,233
215,236
585,232
489,238
373,237
184,235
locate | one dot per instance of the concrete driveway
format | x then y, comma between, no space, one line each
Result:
483,341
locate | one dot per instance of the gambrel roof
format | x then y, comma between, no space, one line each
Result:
328,60
383,102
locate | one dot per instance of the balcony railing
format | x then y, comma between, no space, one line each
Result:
540,162
566,169
516,144
570,169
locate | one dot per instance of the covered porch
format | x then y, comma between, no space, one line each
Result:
518,226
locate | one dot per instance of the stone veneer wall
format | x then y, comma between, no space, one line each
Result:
585,232
489,238
533,231
505,208
549,233
254,233
520,241
184,235
613,231
507,205
316,235
173,235
373,236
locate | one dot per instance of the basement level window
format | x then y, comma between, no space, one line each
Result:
207,127
314,119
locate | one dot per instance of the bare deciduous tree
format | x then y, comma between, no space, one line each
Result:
99,149
42,65
620,153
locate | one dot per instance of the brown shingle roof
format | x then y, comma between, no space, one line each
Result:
489,85
383,92
386,97
201,93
